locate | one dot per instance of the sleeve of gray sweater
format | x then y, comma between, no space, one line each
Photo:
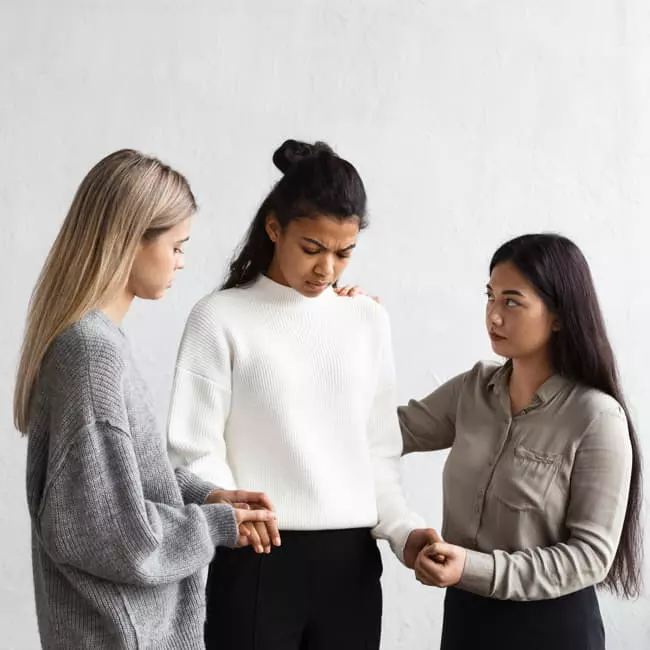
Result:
96,518
93,512
193,488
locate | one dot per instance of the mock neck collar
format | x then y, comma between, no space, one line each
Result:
272,291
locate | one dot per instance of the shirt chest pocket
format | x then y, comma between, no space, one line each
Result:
525,478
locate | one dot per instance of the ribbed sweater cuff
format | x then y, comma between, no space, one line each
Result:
222,524
193,488
400,534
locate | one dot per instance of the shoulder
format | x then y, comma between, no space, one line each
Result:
598,413
219,308
214,323
482,375
82,375
594,403
486,371
601,424
363,309
90,345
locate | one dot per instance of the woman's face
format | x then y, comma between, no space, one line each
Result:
311,254
157,260
518,322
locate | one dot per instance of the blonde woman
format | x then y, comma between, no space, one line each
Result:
118,538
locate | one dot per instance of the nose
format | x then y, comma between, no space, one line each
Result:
494,316
324,267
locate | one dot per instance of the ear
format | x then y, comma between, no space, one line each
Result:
555,325
272,227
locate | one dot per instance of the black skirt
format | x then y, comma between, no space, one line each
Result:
571,622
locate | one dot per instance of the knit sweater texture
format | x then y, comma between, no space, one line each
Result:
295,397
118,538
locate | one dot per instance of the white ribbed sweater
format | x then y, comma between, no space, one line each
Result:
293,396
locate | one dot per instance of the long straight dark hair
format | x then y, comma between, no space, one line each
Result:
316,182
581,351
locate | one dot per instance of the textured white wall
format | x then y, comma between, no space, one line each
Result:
470,121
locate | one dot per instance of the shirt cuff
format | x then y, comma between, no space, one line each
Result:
478,574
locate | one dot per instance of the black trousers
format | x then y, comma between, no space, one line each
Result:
571,622
320,590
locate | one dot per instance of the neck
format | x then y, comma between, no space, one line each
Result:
117,308
274,273
528,376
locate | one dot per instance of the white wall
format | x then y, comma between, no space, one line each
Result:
470,121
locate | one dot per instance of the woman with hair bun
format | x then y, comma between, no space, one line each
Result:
284,387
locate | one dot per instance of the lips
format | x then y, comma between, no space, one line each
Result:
497,337
318,285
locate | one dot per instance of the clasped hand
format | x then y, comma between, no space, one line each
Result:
256,520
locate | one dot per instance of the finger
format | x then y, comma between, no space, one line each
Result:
433,536
430,552
274,532
254,498
434,570
254,515
244,529
349,291
424,579
241,505
254,540
442,548
419,567
243,538
265,540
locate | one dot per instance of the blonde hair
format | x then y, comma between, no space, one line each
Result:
125,198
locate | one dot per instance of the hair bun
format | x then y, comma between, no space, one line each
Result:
291,152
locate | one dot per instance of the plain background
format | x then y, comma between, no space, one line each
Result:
470,122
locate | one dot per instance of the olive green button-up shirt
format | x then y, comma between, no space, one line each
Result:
537,498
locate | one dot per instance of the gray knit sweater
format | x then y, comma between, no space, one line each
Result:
118,539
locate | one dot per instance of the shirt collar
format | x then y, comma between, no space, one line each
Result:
545,393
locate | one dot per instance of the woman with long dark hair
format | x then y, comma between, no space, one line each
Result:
542,486
282,386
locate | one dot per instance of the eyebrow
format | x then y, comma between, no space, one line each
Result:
320,245
507,292
182,241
